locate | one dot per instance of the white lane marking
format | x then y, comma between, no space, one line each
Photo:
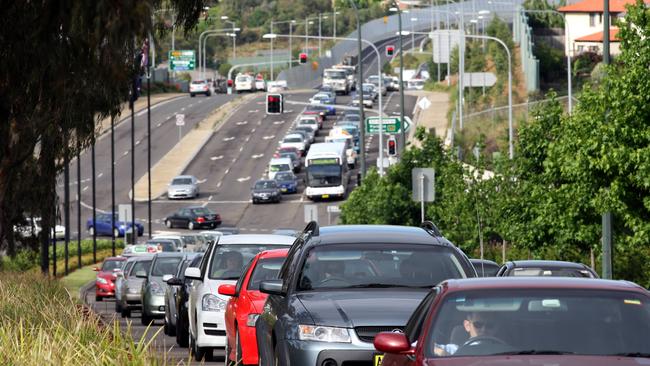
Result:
91,207
253,130
241,148
278,122
268,137
227,171
126,153
228,138
205,203
158,125
234,160
261,103
248,138
259,123
289,111
138,142
241,123
190,106
243,179
201,181
85,189
210,198
216,157
257,156
219,185
100,175
182,109
254,111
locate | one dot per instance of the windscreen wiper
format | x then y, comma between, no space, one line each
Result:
536,352
380,285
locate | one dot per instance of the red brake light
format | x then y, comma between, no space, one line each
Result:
200,220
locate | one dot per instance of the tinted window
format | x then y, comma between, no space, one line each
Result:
228,260
550,272
163,245
284,176
583,322
266,269
378,265
141,266
182,181
267,184
293,139
200,211
279,168
165,266
109,266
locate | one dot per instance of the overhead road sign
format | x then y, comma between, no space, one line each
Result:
182,60
471,79
391,125
444,41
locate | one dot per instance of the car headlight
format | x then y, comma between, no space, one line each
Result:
102,280
156,289
323,334
213,303
252,318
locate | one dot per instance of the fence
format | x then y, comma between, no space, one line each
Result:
522,34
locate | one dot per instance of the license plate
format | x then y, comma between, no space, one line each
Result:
283,189
326,196
378,360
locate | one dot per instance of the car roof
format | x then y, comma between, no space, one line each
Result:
496,283
264,180
341,234
483,261
170,254
141,257
166,236
546,264
114,259
293,135
280,161
275,253
256,239
183,176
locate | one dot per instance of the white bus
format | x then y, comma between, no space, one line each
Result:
327,171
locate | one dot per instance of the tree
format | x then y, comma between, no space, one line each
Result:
66,65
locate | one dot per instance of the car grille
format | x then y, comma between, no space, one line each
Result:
214,332
367,334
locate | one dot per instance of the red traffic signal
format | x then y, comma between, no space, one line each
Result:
392,147
390,50
230,83
274,104
303,58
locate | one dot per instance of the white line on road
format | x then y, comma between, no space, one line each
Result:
241,123
216,157
100,175
268,137
138,142
243,179
158,125
257,156
241,148
227,171
278,122
85,189
182,109
210,198
219,185
126,153
201,181
253,130
228,138
91,207
254,111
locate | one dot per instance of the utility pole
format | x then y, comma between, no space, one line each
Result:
359,90
607,216
402,143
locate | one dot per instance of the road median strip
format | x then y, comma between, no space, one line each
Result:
184,152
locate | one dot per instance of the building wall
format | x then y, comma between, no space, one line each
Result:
614,47
579,25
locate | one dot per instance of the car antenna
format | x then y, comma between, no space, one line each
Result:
431,228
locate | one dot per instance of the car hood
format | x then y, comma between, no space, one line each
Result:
362,307
258,191
287,182
538,360
181,186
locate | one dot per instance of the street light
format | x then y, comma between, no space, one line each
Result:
401,75
413,20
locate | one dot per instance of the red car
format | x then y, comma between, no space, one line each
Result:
524,321
105,280
245,305
287,149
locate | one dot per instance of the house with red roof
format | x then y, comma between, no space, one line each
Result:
584,26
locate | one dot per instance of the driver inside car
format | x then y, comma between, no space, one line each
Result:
234,262
332,269
476,324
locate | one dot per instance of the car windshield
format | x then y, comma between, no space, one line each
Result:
181,181
228,260
308,121
267,184
284,176
293,139
198,82
289,155
324,175
163,245
559,321
165,266
109,266
378,265
140,266
280,168
550,272
265,269
334,74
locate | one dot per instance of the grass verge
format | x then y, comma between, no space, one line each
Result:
78,278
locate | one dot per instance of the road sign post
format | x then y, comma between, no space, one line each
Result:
182,60
391,125
330,211
180,122
125,214
311,213
423,181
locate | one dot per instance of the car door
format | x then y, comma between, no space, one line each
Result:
179,217
197,289
103,224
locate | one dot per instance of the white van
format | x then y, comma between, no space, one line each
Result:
243,83
279,165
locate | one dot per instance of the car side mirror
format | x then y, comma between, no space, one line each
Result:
167,277
396,343
174,281
227,290
141,274
193,273
272,287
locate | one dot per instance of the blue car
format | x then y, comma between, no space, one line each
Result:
325,100
102,226
287,181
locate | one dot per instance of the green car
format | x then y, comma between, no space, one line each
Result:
163,266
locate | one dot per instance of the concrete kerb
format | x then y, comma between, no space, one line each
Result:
83,291
172,164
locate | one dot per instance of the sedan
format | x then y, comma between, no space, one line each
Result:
266,191
310,132
193,217
171,290
103,225
287,181
181,296
106,276
183,186
200,87
245,305
524,321
545,269
163,267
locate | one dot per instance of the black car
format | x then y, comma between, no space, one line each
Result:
542,268
266,191
341,285
182,287
484,267
322,110
193,218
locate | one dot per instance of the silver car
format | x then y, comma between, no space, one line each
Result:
171,313
153,285
128,286
183,186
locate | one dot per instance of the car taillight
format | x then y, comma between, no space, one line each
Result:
200,220
218,217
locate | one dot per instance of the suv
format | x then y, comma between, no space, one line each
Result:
200,87
222,263
341,285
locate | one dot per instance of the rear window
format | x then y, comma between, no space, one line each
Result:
280,167
293,139
308,121
109,266
140,266
181,181
165,266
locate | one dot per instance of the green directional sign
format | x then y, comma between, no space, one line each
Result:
392,125
180,60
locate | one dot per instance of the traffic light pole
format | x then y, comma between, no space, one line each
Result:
362,148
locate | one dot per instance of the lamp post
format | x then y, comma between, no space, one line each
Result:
233,35
201,67
335,13
413,20
401,75
362,143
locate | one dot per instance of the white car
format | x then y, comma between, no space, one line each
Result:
309,121
32,227
319,98
260,84
183,186
244,83
276,86
178,241
222,264
200,87
294,140
278,165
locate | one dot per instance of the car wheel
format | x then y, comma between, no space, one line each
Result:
116,233
91,231
192,95
182,334
126,312
190,225
145,319
276,355
227,350
98,298
118,307
166,328
168,224
199,353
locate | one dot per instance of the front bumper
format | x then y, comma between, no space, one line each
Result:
179,194
154,305
211,329
325,192
289,189
265,198
133,300
310,353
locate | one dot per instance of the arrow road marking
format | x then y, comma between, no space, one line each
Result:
216,157
257,156
268,137
201,181
228,138
254,111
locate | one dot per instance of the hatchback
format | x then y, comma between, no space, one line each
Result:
106,276
163,267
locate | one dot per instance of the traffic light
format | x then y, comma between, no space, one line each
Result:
303,58
390,50
230,83
274,104
392,146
